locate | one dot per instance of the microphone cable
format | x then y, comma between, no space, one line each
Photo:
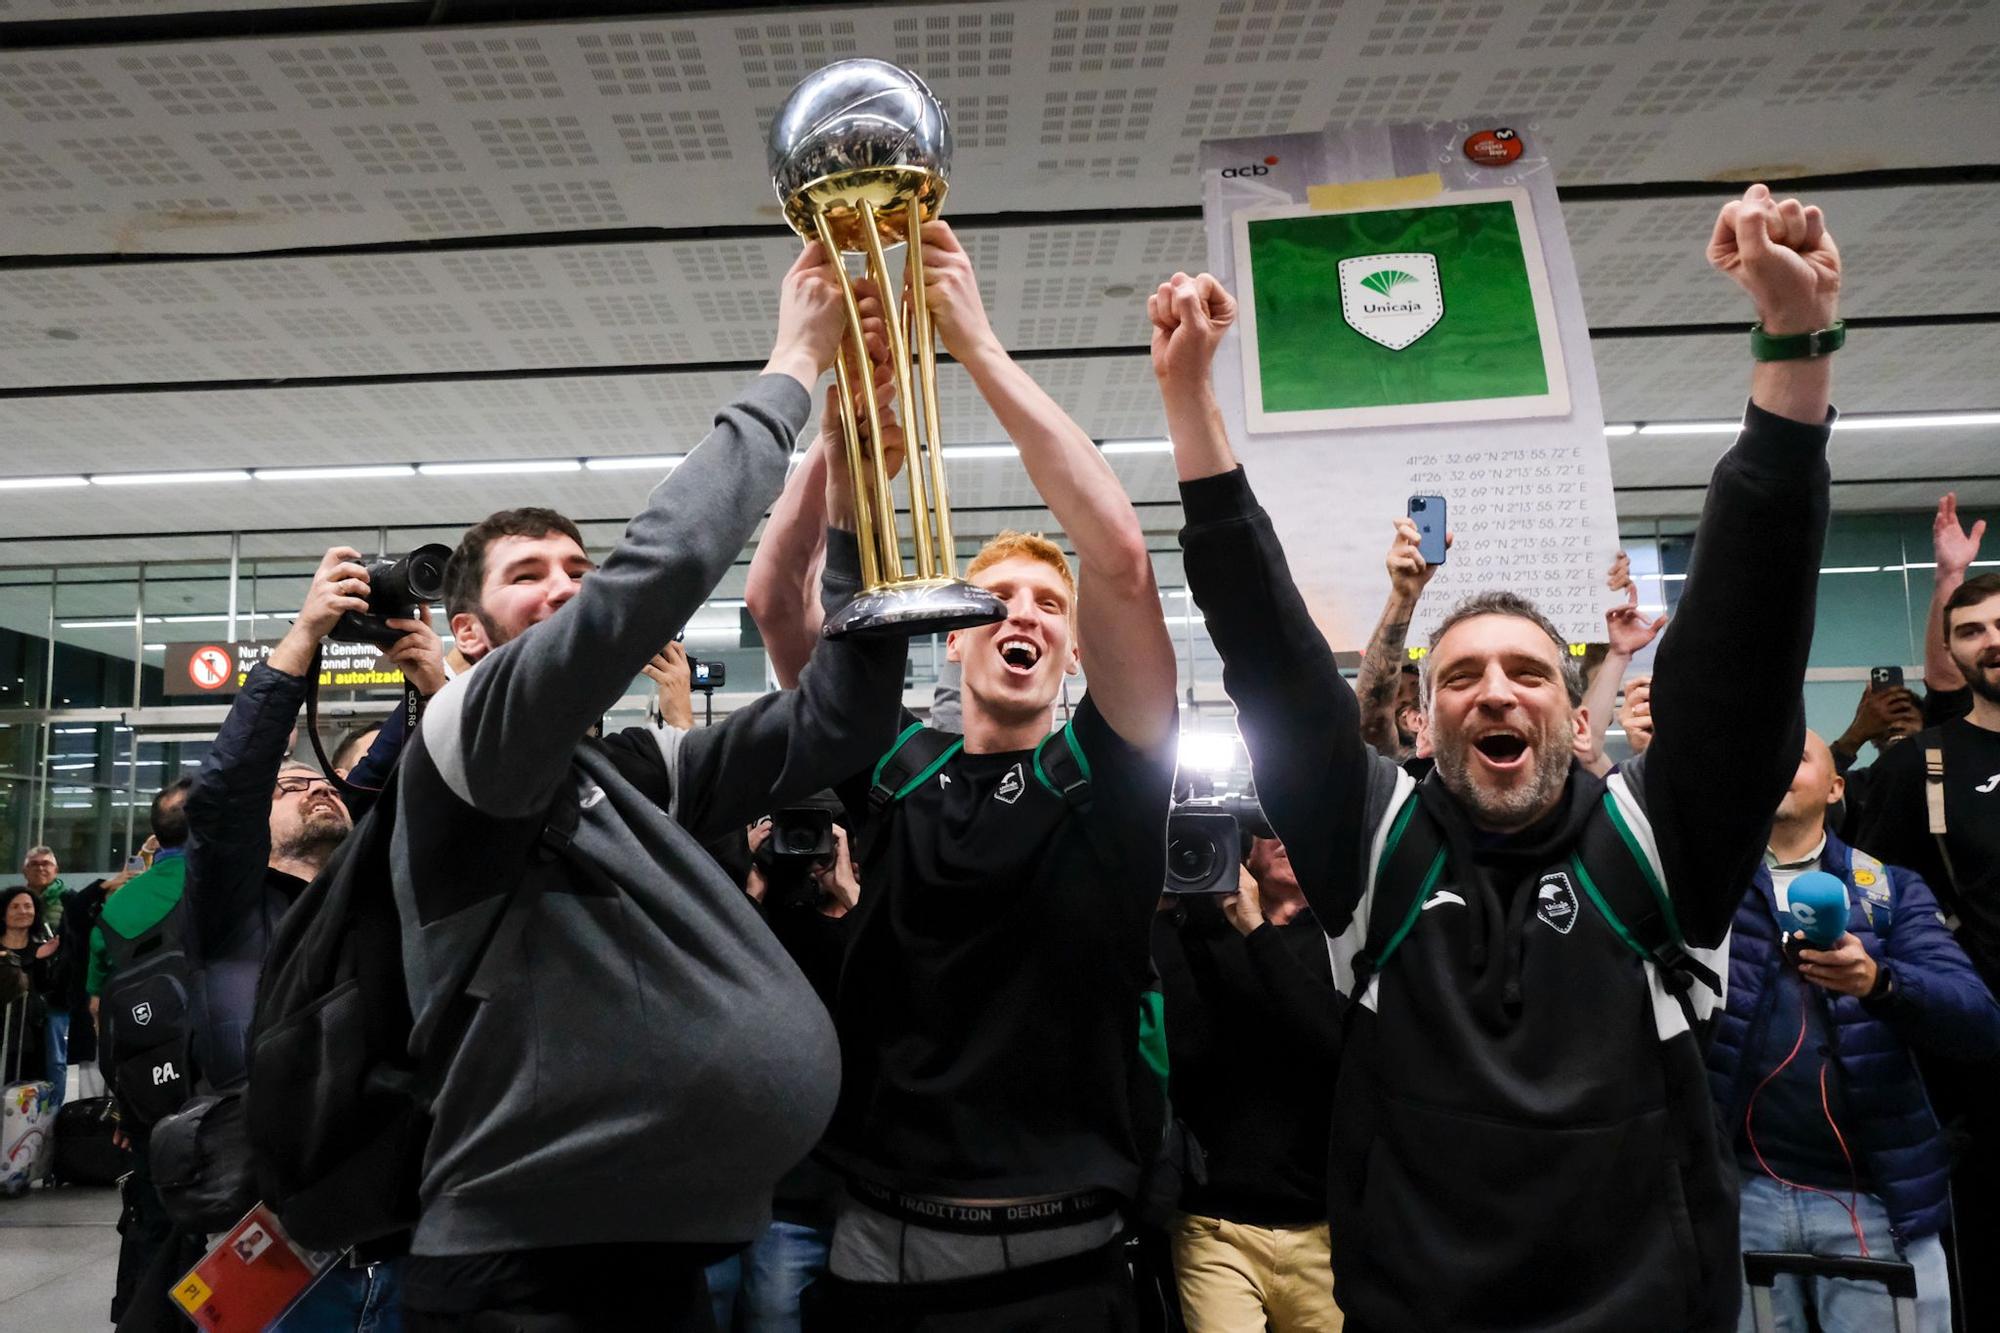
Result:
1852,1203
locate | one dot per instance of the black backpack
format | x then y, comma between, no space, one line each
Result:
1610,869
145,1020
337,1108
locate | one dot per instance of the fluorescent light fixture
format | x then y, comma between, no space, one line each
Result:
1690,428
126,623
486,469
1136,447
1208,751
155,647
979,451
635,463
40,483
356,471
1929,421
1625,428
167,478
1851,569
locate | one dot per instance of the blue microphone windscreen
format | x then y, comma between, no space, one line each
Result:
1818,907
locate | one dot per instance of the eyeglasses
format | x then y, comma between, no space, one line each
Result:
294,786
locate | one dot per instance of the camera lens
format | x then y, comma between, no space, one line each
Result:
1191,859
426,572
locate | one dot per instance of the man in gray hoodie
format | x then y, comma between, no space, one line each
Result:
650,1061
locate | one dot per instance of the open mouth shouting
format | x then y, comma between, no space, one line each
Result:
1502,750
1018,653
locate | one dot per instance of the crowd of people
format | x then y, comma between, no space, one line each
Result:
831,1016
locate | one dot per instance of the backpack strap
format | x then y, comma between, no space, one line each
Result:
1413,859
1063,769
1932,739
1617,876
917,754
1868,884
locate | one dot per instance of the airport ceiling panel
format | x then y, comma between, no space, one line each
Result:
419,134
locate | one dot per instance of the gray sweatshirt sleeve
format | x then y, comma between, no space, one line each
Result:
791,743
501,735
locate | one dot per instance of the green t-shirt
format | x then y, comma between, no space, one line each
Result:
132,911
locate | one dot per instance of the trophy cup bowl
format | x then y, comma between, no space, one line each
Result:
859,154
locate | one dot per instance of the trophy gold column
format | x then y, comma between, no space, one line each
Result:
859,155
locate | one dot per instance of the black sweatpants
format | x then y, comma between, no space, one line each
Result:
571,1289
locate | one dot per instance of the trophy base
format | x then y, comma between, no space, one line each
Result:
913,607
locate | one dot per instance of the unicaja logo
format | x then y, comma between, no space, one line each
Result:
1391,299
1387,280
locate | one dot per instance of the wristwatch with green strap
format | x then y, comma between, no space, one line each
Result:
1796,346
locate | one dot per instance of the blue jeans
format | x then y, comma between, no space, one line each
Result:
1778,1217
349,1300
758,1290
59,1055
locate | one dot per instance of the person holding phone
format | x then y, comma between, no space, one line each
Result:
1387,682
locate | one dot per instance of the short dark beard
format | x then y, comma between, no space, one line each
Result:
1976,681
1552,755
314,843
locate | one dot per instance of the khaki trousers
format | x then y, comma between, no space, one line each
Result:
1244,1279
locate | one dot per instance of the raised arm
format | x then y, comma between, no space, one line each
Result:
782,588
1628,632
1296,712
501,735
1954,549
1379,682
1726,743
1121,631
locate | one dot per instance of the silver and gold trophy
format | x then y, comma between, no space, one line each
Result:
859,154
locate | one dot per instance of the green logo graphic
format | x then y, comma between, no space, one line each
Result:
1387,280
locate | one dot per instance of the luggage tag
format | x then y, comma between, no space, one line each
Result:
250,1277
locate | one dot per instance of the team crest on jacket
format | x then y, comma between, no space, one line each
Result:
1555,902
1011,786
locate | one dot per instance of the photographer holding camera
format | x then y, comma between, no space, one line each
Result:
1253,1043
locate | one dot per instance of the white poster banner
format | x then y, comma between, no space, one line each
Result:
1411,325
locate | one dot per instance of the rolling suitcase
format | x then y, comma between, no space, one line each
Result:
1762,1268
27,1108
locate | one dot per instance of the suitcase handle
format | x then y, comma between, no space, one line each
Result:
1761,1268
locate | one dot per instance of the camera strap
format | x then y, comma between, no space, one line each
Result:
413,708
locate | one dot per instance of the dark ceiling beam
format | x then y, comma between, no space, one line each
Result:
746,367
1899,178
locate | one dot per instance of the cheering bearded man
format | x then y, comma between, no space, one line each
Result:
1522,1134
993,1106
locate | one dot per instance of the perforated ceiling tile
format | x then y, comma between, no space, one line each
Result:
197,83
444,208
650,348
265,155
1936,214
776,55
1976,71
1675,87
22,170
571,204
216,326
1917,15
1097,116
1169,245
679,135
302,202
1242,108
278,280
494,271
494,69
48,291
963,42
632,310
1071,247
399,149
158,286
381,277
1564,24
732,261
1090,39
1847,75
344,77
1265,32
536,142
1732,21
1382,98
653,63
1555,91
524,314
422,320
58,91
1406,28
252,360
313,323
1605,155
122,160
53,214
979,122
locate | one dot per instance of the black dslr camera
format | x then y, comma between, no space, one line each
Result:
801,833
395,588
1206,842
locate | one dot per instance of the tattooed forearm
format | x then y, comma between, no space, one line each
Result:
1375,685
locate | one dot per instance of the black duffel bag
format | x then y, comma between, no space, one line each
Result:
201,1164
85,1151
